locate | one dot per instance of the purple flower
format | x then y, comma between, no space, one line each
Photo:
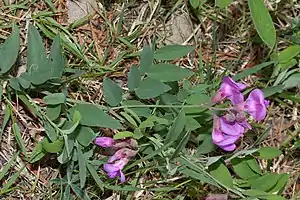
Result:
114,170
104,142
230,127
226,133
256,105
231,90
122,153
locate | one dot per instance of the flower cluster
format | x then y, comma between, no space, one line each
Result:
228,128
123,150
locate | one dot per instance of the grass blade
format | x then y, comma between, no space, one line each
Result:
11,180
82,166
8,165
94,174
252,70
19,139
5,120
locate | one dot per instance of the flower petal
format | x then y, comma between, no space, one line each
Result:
114,170
104,142
266,102
217,136
122,177
109,168
216,122
227,81
219,96
256,105
117,156
228,140
229,89
112,174
258,112
257,96
121,163
230,147
233,128
236,98
245,124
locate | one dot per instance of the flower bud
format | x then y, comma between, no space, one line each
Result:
132,143
217,97
241,116
267,103
122,153
230,117
104,142
129,143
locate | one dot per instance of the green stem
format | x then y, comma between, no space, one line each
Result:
151,106
158,106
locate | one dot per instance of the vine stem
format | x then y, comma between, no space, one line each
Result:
153,106
158,106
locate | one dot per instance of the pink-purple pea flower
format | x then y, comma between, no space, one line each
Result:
114,170
231,90
225,133
230,127
123,152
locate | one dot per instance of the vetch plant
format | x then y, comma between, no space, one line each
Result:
166,118
228,128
